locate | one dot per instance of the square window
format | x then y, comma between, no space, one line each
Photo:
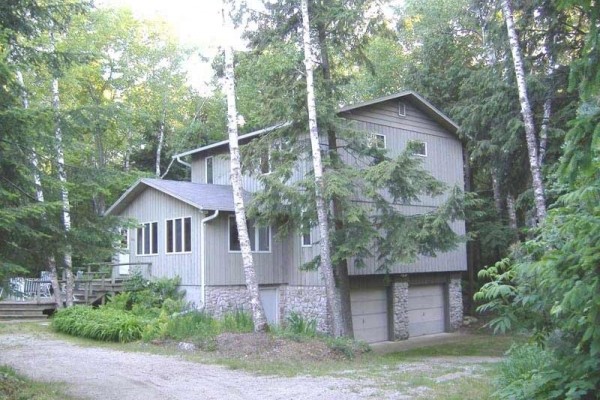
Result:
179,235
260,237
307,239
147,238
376,140
418,147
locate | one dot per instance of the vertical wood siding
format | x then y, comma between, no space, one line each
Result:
154,206
225,268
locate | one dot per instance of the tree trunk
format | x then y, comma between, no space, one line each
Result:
496,192
534,162
39,195
512,213
126,161
161,140
333,300
340,269
258,313
64,191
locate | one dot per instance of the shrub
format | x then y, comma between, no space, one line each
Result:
238,321
104,323
297,325
527,373
348,347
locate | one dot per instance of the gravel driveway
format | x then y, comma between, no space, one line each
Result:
99,373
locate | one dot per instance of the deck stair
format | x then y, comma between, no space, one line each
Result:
25,310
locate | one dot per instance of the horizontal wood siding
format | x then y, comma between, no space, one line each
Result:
225,268
154,206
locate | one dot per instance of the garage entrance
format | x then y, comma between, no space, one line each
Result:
370,314
426,310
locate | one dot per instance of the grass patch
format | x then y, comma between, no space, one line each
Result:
16,387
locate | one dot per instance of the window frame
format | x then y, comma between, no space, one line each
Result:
152,250
173,235
373,142
124,239
424,147
310,239
401,109
254,232
212,170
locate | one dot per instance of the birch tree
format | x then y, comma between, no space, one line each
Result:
527,114
258,313
326,267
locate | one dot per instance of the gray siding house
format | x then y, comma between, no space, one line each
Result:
187,229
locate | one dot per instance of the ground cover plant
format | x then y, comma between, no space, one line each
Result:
16,387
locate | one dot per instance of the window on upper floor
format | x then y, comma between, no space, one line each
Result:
260,237
179,235
306,239
147,238
419,147
401,109
209,169
376,140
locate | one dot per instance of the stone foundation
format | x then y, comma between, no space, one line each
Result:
455,304
308,301
223,299
400,309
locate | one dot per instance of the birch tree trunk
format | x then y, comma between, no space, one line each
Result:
64,191
39,196
161,140
511,210
333,300
258,313
534,162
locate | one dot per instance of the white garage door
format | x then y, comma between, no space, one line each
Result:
426,310
369,314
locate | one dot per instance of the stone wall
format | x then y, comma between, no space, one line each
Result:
399,308
455,304
223,299
308,301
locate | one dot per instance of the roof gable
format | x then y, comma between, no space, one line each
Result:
199,195
415,99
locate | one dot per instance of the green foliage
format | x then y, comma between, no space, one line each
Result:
147,297
350,348
13,386
526,373
238,321
298,325
104,323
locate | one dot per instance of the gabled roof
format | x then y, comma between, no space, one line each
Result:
224,143
199,195
416,100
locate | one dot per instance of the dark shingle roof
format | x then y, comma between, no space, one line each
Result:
199,195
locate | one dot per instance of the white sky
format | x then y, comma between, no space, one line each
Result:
197,23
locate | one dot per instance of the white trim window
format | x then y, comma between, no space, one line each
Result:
376,140
147,239
124,239
209,169
306,239
260,237
178,235
401,109
419,147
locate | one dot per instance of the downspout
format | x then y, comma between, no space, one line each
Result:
203,255
180,161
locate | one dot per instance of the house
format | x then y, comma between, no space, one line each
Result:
187,229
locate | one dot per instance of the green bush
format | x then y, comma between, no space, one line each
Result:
238,321
527,373
348,347
297,325
104,323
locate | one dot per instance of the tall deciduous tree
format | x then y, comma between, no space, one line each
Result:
326,267
526,112
258,313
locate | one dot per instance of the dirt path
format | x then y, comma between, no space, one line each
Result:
97,373
100,373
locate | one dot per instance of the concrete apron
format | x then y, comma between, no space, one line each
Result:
417,342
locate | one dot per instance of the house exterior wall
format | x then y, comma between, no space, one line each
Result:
154,206
225,268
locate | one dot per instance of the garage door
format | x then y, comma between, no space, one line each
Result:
369,314
426,314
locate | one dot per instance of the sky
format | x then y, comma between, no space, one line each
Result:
196,23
